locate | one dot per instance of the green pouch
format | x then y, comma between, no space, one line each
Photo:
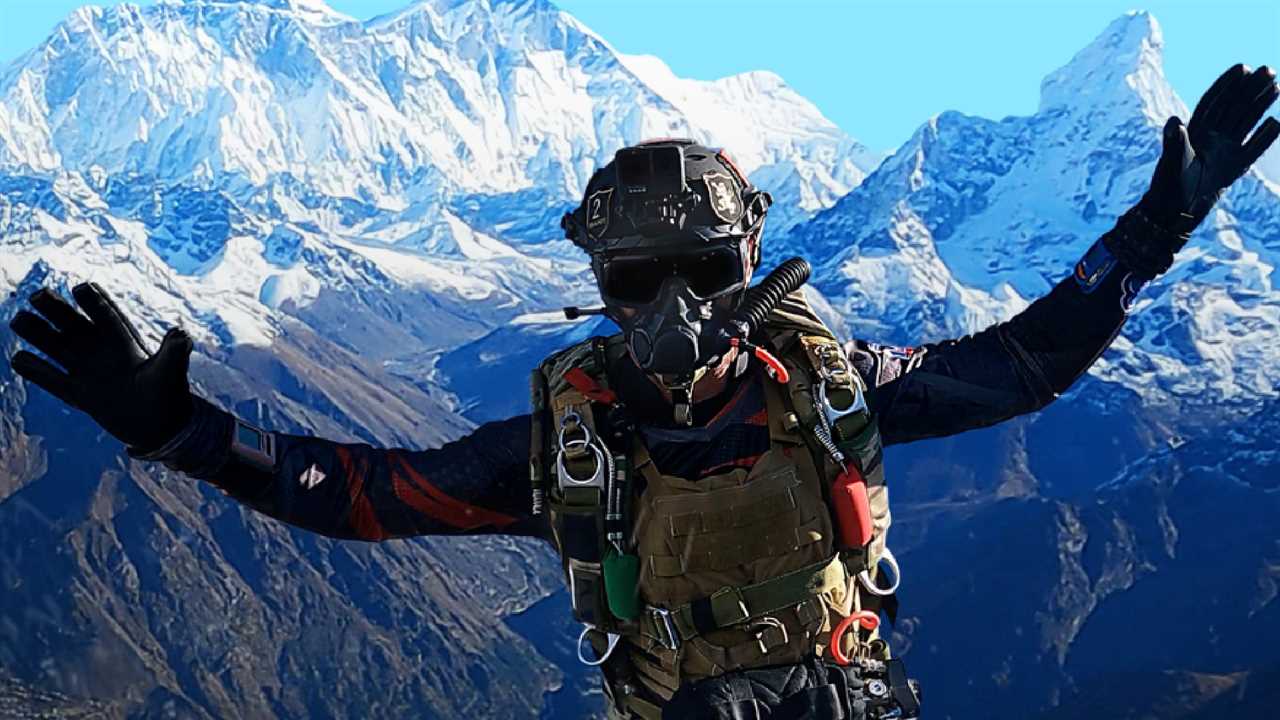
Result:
621,584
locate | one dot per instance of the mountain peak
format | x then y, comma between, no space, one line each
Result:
1125,62
310,8
315,5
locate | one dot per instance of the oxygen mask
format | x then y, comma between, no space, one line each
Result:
670,307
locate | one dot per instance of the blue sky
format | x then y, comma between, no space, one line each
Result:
876,68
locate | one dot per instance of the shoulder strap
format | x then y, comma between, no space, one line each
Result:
793,314
585,482
826,394
799,335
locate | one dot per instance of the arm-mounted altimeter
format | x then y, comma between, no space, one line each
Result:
254,446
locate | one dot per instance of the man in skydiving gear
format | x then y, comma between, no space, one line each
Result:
711,477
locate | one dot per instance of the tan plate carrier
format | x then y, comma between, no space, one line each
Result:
736,570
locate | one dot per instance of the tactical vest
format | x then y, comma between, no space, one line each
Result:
737,570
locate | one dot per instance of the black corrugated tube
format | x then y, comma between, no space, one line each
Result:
763,298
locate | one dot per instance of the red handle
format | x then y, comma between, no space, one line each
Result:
776,368
867,619
853,508
779,372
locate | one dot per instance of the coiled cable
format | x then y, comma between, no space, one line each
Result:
763,298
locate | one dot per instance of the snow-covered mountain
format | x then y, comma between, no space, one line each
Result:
281,157
325,204
445,96
357,220
972,218
486,96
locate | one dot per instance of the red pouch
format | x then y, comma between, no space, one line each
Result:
852,507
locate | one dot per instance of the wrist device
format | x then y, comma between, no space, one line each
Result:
253,446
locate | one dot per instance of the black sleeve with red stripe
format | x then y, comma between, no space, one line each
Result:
478,484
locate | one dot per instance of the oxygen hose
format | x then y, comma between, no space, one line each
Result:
759,302
763,298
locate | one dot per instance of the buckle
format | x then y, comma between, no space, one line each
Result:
773,634
834,414
739,606
668,635
577,449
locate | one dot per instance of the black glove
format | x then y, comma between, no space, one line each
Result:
140,398
1199,161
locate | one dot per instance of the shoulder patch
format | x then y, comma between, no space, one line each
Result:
598,211
1094,267
881,364
726,203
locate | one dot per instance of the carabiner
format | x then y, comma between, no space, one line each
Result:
668,633
864,577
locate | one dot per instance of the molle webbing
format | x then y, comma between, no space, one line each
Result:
694,539
731,606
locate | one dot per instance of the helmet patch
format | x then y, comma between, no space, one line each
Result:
598,211
726,202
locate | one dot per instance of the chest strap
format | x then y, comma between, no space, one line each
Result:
731,606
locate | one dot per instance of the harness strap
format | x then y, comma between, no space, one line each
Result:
734,605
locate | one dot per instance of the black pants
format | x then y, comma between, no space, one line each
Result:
812,690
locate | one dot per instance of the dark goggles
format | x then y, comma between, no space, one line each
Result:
637,279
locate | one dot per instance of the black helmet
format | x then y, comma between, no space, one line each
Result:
672,227
662,195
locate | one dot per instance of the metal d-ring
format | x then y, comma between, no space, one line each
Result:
597,475
571,417
886,558
613,642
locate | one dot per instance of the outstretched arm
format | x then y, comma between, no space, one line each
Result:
1021,365
95,361
1011,368
477,484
